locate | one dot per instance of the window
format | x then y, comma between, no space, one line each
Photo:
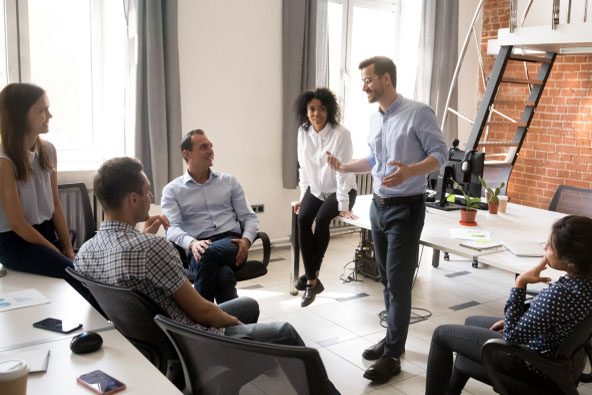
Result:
75,50
357,30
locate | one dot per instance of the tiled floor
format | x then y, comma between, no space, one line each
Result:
341,325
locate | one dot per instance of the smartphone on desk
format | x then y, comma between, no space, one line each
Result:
100,382
56,325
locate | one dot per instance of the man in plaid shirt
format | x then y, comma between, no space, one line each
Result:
121,255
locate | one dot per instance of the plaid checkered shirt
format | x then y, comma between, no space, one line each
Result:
121,255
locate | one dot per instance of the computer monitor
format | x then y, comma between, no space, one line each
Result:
467,178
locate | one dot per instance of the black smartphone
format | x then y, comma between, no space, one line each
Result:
53,324
100,382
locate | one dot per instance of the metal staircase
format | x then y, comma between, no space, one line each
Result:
496,171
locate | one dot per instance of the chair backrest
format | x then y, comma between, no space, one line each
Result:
215,364
576,347
133,315
572,200
78,212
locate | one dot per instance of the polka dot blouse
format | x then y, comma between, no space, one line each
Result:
552,315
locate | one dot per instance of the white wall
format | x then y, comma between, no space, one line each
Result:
231,86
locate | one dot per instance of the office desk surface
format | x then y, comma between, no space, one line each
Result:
118,358
518,223
16,326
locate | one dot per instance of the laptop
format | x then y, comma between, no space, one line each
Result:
525,248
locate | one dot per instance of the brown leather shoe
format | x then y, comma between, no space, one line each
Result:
374,352
383,370
311,292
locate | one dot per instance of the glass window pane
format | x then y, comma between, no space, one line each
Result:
60,57
3,57
373,33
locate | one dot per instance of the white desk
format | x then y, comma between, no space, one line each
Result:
16,326
118,358
517,223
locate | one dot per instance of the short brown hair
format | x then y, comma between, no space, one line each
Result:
117,178
382,65
187,144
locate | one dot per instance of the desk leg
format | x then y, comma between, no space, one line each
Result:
435,258
294,253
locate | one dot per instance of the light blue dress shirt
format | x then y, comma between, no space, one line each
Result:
408,132
199,211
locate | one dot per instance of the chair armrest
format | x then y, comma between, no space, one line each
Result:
554,369
266,247
587,377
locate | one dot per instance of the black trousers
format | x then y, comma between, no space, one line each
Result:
465,340
314,245
18,254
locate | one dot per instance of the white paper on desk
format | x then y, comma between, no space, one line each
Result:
470,234
37,360
19,299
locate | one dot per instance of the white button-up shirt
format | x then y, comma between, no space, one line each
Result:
314,169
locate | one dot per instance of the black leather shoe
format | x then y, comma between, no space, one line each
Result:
300,284
311,292
374,352
383,370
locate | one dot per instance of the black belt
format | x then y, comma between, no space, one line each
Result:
396,200
223,235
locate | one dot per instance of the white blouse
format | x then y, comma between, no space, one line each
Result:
314,169
35,194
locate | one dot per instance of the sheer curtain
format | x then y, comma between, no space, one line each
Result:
155,88
438,54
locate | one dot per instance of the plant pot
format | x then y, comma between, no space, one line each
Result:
493,207
468,216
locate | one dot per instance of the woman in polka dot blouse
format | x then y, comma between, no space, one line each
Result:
542,327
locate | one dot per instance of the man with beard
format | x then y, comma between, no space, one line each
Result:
405,144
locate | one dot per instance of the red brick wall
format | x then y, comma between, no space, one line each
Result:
558,145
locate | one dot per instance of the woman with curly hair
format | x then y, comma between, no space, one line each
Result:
324,193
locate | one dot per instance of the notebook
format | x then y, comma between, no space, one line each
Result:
525,248
481,245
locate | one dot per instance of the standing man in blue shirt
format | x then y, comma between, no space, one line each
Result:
211,217
405,144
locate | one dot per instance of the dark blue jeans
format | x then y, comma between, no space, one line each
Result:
215,271
18,254
465,340
396,230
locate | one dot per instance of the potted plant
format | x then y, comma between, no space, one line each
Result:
492,199
468,214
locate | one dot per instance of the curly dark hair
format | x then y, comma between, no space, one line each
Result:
572,237
326,97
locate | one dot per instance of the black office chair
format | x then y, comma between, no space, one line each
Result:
133,315
78,212
248,270
572,200
563,372
215,364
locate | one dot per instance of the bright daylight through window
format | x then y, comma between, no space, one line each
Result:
359,29
75,50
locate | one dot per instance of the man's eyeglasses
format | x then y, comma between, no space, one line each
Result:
368,80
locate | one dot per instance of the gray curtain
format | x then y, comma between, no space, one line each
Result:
157,95
299,74
438,54
322,44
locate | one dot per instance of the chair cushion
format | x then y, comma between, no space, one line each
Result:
249,270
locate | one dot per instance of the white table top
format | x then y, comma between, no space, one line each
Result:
517,223
117,358
16,326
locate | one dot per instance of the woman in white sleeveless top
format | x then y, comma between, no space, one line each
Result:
34,237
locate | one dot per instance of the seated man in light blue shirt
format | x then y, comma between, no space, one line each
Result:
211,217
